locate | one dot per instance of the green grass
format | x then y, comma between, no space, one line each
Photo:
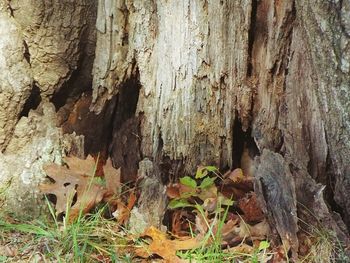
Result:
211,249
94,235
91,236
325,247
63,242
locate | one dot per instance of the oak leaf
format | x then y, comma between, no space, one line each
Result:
112,177
81,166
122,213
162,246
70,185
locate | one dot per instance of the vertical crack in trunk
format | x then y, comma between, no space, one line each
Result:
251,36
124,147
32,102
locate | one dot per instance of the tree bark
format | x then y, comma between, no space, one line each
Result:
213,74
46,54
197,82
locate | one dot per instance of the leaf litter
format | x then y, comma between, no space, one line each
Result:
203,210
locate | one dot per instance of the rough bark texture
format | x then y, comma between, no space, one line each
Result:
15,77
277,69
187,95
276,189
46,47
59,36
194,82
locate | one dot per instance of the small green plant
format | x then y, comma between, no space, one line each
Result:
201,187
202,197
260,254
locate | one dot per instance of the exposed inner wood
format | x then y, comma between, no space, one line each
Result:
165,86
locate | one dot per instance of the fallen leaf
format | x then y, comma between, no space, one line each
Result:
236,175
180,225
210,204
122,213
112,177
101,160
173,191
229,191
81,166
305,243
238,180
250,208
101,258
202,224
279,255
259,231
210,192
8,251
241,249
69,184
162,246
228,232
235,185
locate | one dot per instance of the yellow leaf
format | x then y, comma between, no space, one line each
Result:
162,246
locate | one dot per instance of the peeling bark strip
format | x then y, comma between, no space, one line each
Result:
275,186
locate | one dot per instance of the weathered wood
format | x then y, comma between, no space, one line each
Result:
327,36
42,43
189,92
275,187
209,74
152,201
313,208
277,67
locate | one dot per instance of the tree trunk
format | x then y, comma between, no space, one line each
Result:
46,53
178,84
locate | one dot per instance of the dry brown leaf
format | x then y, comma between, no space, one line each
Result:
112,177
81,166
250,208
259,231
241,249
228,230
178,190
229,191
210,204
173,191
67,184
235,185
101,258
242,231
201,224
180,222
162,246
209,193
122,213
279,255
8,251
236,175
